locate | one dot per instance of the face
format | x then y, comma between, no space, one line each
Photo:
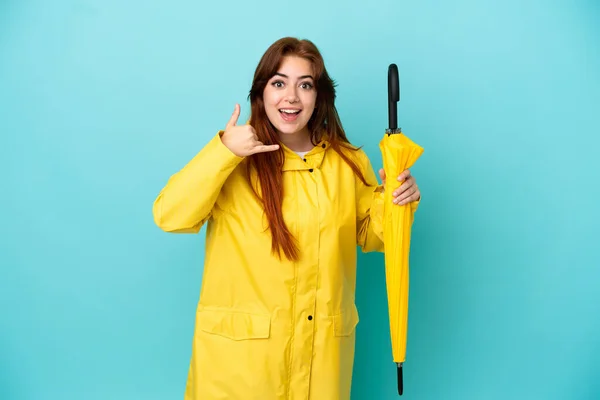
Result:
290,96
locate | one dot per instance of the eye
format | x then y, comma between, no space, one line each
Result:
306,85
277,84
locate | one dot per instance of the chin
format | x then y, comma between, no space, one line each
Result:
289,130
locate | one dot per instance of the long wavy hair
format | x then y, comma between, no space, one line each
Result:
323,124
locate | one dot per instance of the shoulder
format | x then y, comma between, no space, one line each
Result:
358,156
362,166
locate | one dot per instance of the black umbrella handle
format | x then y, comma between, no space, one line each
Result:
400,380
393,98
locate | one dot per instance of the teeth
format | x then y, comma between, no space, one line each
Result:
290,111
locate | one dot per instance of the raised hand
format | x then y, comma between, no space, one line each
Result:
242,139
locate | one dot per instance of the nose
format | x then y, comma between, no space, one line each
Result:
291,94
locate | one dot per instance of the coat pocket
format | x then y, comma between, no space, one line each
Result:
234,325
345,322
233,356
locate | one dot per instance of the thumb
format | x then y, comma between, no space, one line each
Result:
382,175
234,117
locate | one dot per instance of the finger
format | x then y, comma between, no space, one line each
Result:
414,197
382,174
404,175
405,197
234,117
261,148
410,182
407,193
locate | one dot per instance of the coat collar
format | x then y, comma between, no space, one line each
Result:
312,159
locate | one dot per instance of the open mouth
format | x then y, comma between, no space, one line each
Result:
289,114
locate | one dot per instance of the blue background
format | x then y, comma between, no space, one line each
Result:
102,100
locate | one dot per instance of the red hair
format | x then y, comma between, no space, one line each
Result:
323,124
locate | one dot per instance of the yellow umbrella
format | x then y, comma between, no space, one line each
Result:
398,153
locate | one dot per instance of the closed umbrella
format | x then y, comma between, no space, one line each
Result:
398,153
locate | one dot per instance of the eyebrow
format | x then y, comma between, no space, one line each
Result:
301,77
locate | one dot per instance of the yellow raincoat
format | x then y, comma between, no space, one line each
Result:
268,329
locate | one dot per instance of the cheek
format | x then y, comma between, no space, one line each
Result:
270,98
310,102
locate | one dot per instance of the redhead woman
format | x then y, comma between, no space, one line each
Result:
287,201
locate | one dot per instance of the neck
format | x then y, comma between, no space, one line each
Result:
299,141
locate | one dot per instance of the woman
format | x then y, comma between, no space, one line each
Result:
287,200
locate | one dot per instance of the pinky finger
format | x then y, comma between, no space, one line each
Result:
264,148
